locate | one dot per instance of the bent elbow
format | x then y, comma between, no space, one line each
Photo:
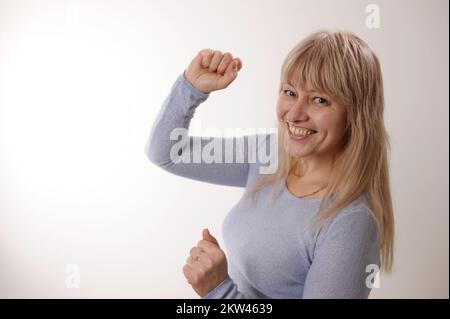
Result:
151,153
157,156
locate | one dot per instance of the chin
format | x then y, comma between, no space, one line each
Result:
297,154
293,150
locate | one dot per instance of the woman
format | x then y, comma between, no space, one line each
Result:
329,224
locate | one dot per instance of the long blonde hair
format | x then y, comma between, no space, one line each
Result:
343,66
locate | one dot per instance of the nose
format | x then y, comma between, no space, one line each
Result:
297,112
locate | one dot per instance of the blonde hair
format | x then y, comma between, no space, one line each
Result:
343,66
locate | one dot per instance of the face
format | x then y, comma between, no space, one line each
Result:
310,111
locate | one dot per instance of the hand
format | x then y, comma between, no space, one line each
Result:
211,70
206,267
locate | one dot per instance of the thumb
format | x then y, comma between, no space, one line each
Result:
207,236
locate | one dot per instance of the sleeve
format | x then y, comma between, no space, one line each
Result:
342,257
170,147
225,290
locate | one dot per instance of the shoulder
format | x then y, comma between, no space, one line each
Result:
358,209
353,225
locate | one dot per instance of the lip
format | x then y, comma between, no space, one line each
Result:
298,138
301,127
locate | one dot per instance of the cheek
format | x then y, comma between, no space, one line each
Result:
333,124
340,123
281,110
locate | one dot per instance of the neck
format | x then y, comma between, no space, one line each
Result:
314,169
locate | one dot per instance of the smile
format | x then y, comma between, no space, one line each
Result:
299,133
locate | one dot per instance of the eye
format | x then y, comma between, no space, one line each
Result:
321,100
289,91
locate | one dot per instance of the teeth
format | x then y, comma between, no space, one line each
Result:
299,132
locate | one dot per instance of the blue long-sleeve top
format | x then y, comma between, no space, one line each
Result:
271,249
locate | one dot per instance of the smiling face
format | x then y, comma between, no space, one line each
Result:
301,111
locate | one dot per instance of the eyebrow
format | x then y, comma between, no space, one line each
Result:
308,91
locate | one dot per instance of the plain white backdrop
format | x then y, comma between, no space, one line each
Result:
83,213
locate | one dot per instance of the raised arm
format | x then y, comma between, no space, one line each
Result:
171,147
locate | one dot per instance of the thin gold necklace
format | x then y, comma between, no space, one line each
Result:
313,192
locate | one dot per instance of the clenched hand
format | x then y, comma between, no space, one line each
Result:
212,70
206,267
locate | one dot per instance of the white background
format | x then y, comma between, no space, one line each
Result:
81,83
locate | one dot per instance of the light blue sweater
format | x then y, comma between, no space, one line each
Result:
271,250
